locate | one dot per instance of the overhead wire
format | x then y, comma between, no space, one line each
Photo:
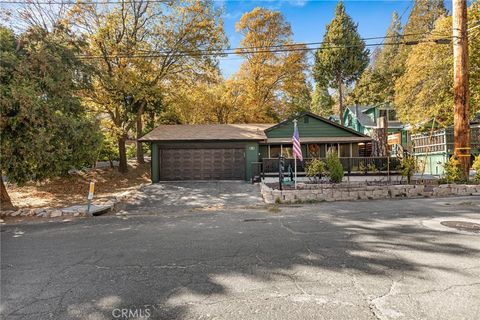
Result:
257,50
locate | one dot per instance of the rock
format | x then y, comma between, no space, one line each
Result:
43,214
16,213
56,213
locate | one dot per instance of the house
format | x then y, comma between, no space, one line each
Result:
365,118
230,151
433,149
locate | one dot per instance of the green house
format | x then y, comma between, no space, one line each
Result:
433,149
364,119
232,151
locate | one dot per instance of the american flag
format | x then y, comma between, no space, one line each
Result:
297,150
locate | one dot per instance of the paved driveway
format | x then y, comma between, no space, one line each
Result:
345,260
170,197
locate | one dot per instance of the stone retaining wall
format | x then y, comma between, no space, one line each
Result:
314,192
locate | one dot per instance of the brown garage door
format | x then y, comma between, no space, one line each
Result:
202,164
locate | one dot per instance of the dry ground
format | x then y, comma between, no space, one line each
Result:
64,191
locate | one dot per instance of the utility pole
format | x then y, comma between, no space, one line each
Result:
460,85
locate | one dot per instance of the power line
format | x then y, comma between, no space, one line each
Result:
244,50
240,52
82,2
295,44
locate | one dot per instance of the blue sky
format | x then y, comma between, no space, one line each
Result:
309,18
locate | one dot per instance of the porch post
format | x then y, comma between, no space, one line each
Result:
338,149
351,150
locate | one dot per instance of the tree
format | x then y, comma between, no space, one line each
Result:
45,128
322,101
425,90
421,22
140,48
342,57
272,82
375,85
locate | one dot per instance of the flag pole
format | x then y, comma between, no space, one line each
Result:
295,158
294,154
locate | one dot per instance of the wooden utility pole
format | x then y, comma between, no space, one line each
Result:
460,84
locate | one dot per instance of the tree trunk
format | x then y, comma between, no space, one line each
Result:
460,85
380,138
340,100
122,151
6,202
140,156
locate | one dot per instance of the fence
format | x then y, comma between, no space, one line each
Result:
356,165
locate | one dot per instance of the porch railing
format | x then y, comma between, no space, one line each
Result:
365,165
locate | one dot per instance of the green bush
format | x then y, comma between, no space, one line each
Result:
108,150
453,170
334,167
476,167
131,151
408,167
316,169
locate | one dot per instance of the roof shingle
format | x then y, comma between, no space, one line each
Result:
201,132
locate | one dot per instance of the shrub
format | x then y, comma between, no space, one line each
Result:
108,150
362,167
334,167
408,167
453,170
131,151
316,170
476,167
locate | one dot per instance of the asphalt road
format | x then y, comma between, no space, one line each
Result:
345,260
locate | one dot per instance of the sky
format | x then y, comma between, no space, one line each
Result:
309,18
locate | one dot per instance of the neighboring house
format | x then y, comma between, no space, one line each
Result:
432,150
364,119
230,151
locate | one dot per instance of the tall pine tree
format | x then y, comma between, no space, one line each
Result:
375,85
342,56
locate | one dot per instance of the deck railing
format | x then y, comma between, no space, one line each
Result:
365,165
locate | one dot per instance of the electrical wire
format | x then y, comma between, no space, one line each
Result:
81,2
242,51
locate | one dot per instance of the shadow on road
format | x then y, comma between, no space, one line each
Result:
222,262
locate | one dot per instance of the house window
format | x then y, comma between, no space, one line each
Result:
392,115
287,152
275,151
305,119
313,150
344,150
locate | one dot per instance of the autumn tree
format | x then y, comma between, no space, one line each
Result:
342,57
45,128
139,47
425,90
420,23
272,82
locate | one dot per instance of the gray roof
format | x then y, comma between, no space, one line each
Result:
200,132
364,119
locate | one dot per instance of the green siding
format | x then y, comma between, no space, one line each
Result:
433,163
251,155
154,163
314,128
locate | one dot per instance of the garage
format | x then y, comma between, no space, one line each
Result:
204,152
202,163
